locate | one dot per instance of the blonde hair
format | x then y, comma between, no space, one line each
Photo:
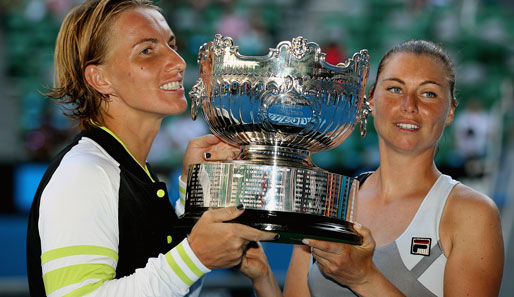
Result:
83,40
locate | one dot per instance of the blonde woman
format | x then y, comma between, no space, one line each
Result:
101,223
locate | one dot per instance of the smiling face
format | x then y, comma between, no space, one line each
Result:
412,102
143,72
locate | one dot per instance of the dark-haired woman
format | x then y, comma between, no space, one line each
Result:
424,233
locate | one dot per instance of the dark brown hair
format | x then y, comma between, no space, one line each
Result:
83,40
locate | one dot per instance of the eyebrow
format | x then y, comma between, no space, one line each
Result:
152,40
426,82
394,79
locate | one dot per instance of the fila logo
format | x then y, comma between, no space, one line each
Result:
420,246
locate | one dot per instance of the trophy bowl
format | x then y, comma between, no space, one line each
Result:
279,108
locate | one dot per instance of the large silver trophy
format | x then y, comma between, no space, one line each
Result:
279,109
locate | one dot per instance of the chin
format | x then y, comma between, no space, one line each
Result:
179,108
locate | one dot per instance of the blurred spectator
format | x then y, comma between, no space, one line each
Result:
59,8
335,53
472,128
192,23
256,40
43,142
231,23
168,141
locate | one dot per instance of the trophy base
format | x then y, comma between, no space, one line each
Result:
292,227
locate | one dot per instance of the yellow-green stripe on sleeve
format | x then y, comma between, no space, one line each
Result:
73,274
84,290
185,257
78,250
182,190
178,271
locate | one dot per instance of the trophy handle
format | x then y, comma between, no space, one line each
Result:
363,116
197,94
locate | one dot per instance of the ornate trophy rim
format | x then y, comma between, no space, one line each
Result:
294,68
298,46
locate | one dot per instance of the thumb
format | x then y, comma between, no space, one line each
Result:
367,238
226,213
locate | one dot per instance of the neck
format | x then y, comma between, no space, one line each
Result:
136,136
403,175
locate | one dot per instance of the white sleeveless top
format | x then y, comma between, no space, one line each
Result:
414,262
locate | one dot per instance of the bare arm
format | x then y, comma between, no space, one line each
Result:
475,250
296,281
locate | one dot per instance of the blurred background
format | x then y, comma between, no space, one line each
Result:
477,149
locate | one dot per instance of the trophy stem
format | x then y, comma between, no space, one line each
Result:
276,155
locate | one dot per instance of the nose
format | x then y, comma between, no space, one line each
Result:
410,104
174,62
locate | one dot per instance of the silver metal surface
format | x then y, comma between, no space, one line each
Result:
279,108
289,98
278,188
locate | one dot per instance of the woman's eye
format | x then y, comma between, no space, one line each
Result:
146,51
395,90
173,46
429,94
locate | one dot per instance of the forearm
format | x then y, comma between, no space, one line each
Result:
267,286
172,274
376,284
166,275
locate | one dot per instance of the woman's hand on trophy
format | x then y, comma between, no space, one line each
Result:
205,149
255,263
221,245
256,267
350,265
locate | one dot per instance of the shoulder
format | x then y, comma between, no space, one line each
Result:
465,202
86,161
88,153
470,216
84,177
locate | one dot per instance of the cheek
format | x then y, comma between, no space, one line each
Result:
439,119
440,113
378,119
381,109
